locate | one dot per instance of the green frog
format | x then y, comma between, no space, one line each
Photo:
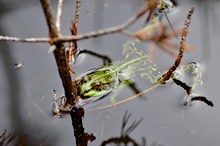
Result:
100,82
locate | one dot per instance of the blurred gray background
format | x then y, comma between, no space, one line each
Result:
26,93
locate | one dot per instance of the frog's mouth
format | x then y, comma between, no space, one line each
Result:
94,94
87,98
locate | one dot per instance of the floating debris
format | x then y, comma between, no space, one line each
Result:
18,65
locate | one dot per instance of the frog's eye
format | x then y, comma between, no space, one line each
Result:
97,85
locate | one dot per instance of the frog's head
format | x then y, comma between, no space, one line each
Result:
96,83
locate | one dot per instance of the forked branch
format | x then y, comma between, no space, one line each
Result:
59,54
115,29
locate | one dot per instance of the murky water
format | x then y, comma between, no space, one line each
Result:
26,92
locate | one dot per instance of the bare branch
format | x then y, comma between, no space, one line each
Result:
126,99
59,13
49,18
115,29
73,44
167,75
78,2
60,55
24,40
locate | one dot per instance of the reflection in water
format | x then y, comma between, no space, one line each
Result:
12,137
125,137
21,134
13,89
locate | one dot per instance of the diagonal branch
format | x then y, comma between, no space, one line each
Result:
59,13
53,32
59,54
167,75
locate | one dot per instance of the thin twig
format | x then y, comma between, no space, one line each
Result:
167,75
76,19
73,44
115,29
59,13
78,2
24,40
126,99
